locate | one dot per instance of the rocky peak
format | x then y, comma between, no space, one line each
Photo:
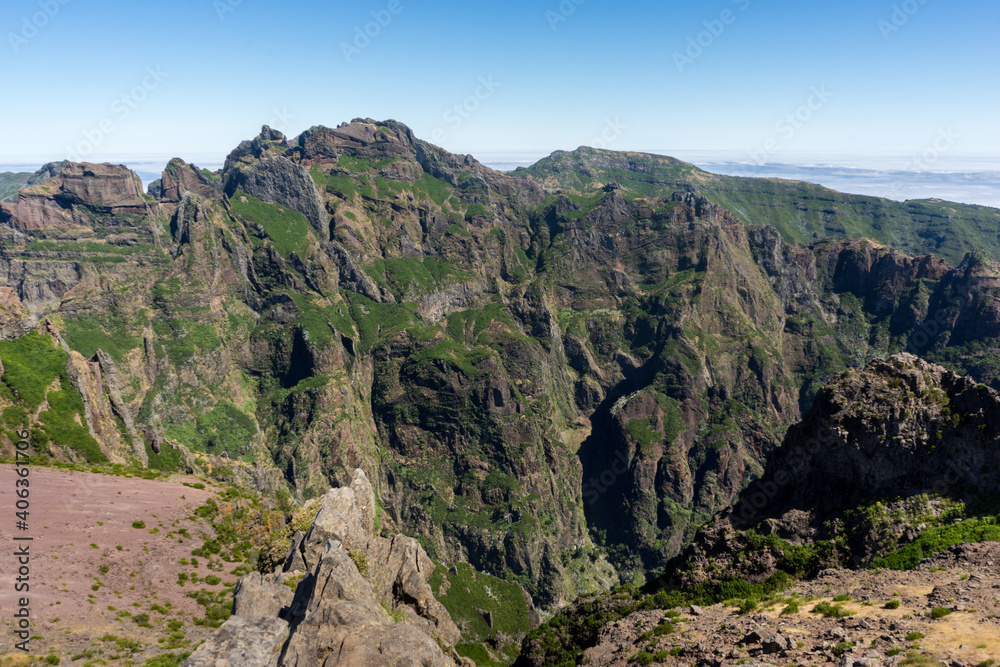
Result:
269,134
899,426
704,209
55,204
180,178
47,172
338,615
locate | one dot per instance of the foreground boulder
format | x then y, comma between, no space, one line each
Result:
241,643
360,599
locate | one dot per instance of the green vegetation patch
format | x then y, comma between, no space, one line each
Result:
288,229
225,429
936,540
31,363
434,188
466,593
182,338
35,370
107,331
362,164
168,460
400,273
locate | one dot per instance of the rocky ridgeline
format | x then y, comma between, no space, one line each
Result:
894,466
604,347
898,435
886,621
359,599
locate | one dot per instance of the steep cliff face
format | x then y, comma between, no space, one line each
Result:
885,452
894,465
530,377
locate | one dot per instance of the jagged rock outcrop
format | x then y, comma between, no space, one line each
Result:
54,205
340,612
899,431
15,320
180,178
900,426
276,179
241,643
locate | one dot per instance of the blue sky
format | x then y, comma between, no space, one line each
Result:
199,76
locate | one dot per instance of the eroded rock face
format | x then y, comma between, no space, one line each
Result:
104,188
14,317
241,643
180,178
339,613
898,426
900,431
276,179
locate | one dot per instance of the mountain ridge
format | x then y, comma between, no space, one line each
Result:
491,352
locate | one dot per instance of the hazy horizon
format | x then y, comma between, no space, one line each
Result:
967,179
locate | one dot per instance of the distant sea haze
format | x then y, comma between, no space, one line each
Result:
964,179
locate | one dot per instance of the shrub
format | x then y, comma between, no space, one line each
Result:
892,604
139,524
914,636
360,559
791,608
830,610
643,658
842,648
940,612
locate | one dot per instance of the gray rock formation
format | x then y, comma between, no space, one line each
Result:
241,643
181,178
278,180
261,595
340,611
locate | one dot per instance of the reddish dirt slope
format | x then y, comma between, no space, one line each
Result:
90,566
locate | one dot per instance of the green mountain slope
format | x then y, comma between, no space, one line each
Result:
801,211
555,376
